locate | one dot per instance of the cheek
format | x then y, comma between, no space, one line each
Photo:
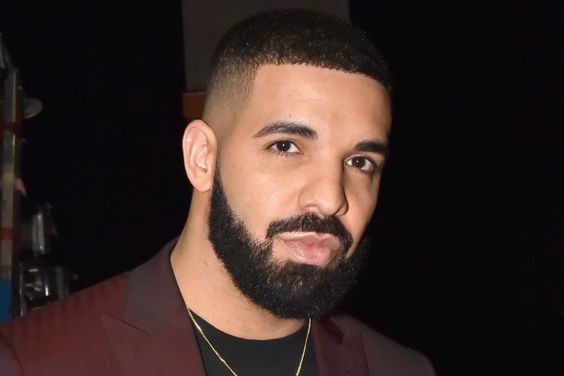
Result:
357,227
362,203
256,198
357,221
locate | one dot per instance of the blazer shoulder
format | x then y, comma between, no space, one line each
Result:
66,330
384,356
8,361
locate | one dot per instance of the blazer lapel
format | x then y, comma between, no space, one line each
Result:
334,355
155,336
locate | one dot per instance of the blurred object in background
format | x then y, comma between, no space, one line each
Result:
29,274
12,104
41,278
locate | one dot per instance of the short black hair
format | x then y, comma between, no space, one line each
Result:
293,36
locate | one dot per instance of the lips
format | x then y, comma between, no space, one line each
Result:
311,248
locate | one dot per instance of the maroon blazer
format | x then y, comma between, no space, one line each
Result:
136,324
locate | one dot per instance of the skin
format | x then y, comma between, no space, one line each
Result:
270,174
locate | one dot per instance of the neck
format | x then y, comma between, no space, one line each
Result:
208,290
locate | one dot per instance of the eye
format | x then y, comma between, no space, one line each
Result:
284,147
362,163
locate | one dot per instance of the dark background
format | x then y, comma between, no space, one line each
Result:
468,260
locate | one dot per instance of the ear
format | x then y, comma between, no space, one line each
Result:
199,148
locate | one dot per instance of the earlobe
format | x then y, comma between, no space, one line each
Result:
199,150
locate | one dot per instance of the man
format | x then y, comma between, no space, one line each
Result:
285,167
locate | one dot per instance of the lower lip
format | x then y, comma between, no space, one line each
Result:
308,253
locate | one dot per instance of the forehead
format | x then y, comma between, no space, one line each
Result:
324,99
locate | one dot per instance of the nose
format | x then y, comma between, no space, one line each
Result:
324,192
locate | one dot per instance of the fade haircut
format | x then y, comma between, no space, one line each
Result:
288,36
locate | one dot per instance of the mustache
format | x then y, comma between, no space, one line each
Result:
311,222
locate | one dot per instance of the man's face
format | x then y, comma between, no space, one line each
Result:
298,177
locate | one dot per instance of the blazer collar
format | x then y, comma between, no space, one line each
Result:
336,354
155,336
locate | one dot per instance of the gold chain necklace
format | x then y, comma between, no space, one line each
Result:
199,328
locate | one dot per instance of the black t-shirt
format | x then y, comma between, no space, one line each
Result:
274,357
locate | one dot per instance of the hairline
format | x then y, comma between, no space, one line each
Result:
240,83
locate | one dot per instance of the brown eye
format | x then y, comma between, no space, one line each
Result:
361,163
285,147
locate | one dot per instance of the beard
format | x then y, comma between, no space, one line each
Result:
287,289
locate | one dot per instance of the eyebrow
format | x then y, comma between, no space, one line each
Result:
288,127
373,146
